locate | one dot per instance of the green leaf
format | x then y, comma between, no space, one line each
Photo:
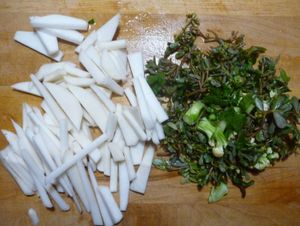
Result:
283,77
91,21
218,192
247,103
156,82
259,104
234,119
279,120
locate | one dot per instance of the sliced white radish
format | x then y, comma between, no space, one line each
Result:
106,161
92,105
135,125
119,59
12,139
49,68
152,100
137,152
129,163
111,125
55,76
58,21
64,34
159,131
82,82
49,120
71,161
103,97
76,72
139,184
116,152
31,40
47,110
88,41
55,109
26,87
107,31
67,102
95,211
148,119
129,134
74,175
63,134
136,63
93,54
112,45
49,41
131,97
98,75
123,186
111,204
35,220
88,119
113,180
103,209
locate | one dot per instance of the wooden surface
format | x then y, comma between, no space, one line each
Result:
148,24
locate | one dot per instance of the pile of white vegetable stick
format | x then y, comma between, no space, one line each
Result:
50,153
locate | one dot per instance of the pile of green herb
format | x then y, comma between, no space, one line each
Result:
230,114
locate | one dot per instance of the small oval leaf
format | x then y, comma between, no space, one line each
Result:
279,120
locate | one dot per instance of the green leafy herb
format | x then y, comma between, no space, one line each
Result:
229,111
91,21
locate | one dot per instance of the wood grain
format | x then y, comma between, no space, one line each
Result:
148,25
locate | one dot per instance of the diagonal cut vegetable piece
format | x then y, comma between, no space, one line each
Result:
129,164
82,82
58,21
93,54
12,139
103,97
33,217
76,72
113,180
135,125
116,151
111,125
107,31
112,45
88,41
136,63
55,76
71,161
98,75
139,184
67,102
131,97
31,40
137,152
26,87
65,34
49,41
49,68
123,186
91,104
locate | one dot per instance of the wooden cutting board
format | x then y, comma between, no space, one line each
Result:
148,25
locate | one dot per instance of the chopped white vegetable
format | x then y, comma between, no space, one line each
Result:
159,131
33,217
93,54
26,87
92,105
31,40
111,125
67,102
82,82
111,204
76,72
58,21
131,97
136,64
123,186
113,180
102,96
129,164
71,161
139,184
55,75
116,151
112,45
135,125
49,41
88,41
106,161
137,152
67,35
12,139
107,31
49,68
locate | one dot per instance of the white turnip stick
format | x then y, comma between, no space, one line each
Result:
31,40
49,41
152,100
136,63
123,186
76,72
95,211
91,104
103,209
64,136
130,136
107,31
49,120
111,125
82,82
54,76
137,152
160,131
74,175
139,184
58,199
98,75
111,204
154,137
12,140
88,41
67,102
93,54
26,87
111,65
57,112
106,161
129,164
103,97
64,34
61,169
49,68
149,121
135,125
113,180
33,217
112,45
131,97
47,110
88,119
59,22
116,151
25,118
